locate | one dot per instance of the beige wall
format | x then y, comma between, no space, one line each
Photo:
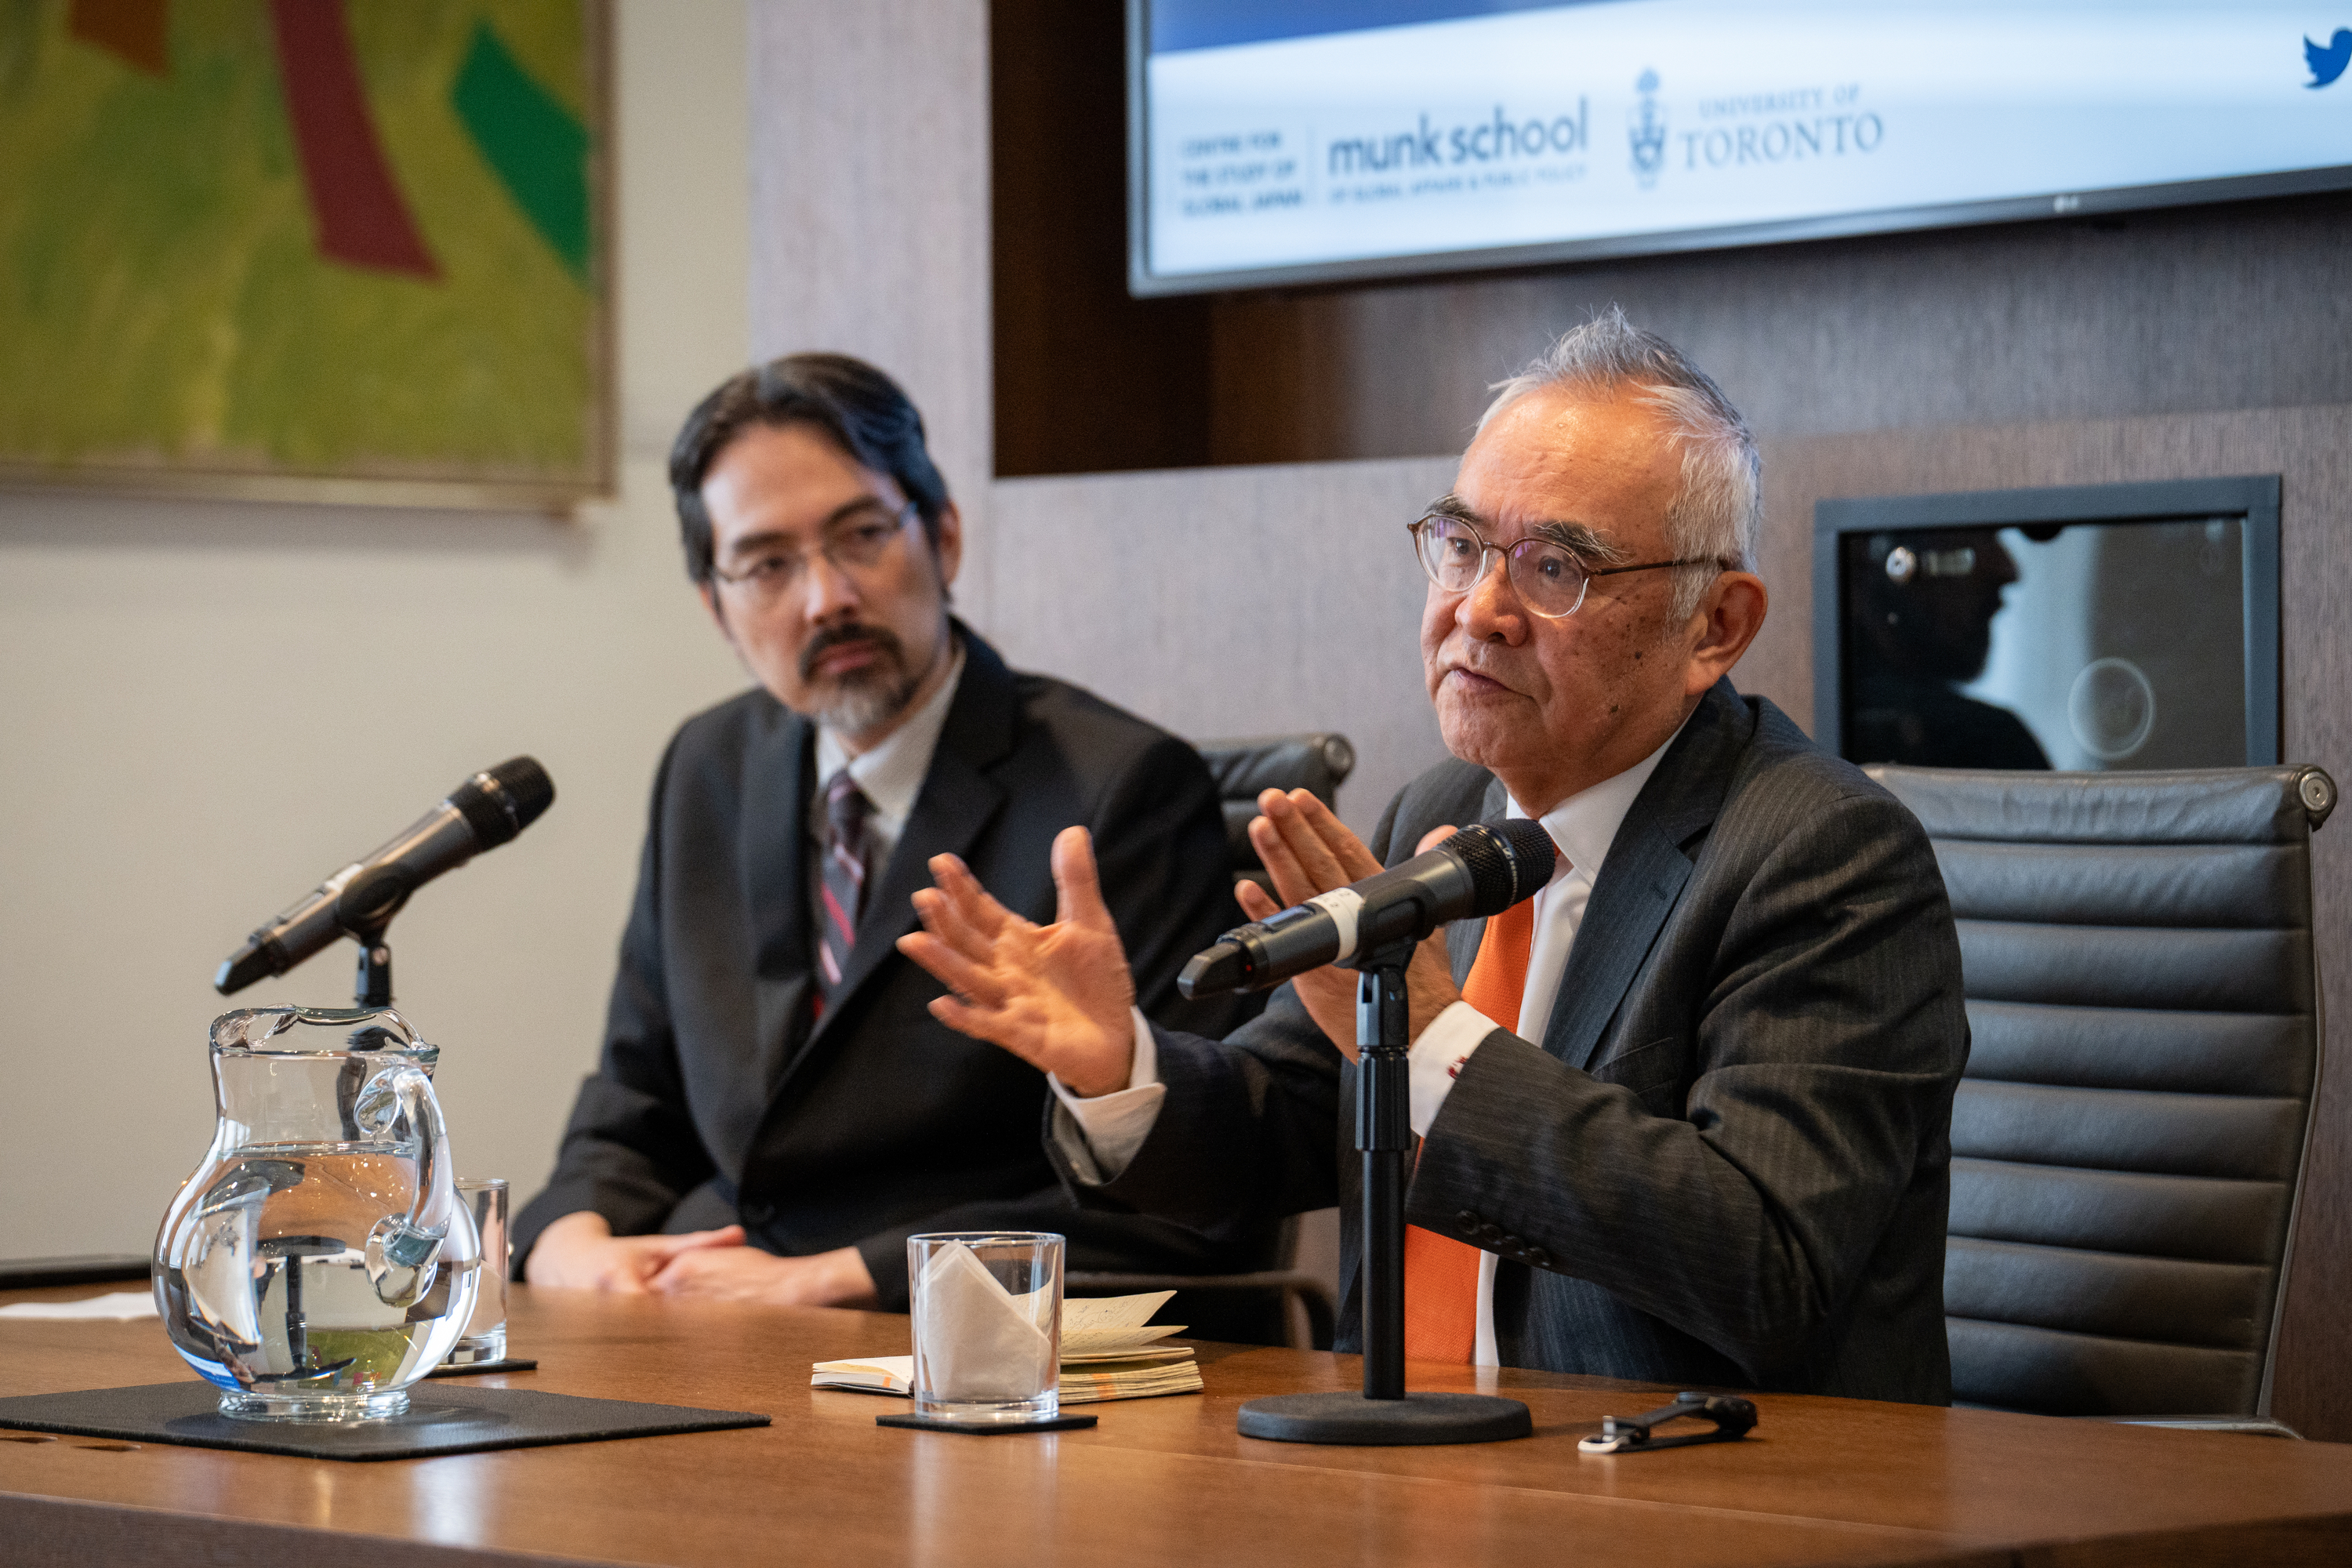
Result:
869,213
1176,594
207,708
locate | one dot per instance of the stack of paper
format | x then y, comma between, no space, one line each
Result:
1107,1352
1134,1374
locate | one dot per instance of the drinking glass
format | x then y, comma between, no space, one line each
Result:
484,1339
987,1309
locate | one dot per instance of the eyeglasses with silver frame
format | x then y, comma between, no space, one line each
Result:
854,542
1548,578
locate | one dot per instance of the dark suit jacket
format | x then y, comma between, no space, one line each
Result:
716,1100
1728,1161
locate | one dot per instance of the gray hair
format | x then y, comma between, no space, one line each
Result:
1717,512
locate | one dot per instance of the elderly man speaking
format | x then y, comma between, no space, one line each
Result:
1685,1116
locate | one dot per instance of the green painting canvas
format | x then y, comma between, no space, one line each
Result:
330,247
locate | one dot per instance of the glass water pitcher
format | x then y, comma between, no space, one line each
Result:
319,1262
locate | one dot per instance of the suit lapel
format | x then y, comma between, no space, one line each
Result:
1643,876
1639,884
957,802
959,799
775,834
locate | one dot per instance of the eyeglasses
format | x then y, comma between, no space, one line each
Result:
1547,577
858,543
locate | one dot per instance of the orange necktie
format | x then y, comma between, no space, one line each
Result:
1440,1274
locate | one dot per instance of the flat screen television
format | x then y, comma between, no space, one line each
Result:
1279,141
2095,627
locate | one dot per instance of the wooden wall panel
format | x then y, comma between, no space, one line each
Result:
1088,379
2244,306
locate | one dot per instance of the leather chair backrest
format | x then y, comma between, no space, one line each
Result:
1245,768
2129,1139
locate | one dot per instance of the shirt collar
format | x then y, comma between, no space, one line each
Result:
1585,824
892,773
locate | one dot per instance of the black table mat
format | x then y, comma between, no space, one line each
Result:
478,1368
451,1419
95,1268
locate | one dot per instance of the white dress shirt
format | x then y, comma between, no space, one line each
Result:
1100,1135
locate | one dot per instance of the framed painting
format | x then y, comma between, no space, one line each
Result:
352,250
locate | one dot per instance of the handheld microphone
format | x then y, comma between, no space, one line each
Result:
480,814
1481,870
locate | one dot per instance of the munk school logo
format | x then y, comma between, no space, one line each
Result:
2328,61
1648,131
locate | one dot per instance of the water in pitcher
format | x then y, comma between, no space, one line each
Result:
276,1272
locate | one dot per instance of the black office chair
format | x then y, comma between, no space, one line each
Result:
2129,1141
1245,768
1254,1306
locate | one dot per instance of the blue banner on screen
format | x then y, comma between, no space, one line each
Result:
1281,140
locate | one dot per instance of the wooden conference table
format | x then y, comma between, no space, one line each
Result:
1157,1482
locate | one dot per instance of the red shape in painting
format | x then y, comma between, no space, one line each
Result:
136,32
362,218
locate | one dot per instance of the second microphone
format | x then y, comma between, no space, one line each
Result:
1482,870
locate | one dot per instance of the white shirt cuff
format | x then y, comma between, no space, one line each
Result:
1438,1054
1099,1136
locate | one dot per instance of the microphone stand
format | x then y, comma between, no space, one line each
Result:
364,911
1384,1415
371,987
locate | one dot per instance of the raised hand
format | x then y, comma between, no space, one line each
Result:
1058,996
1307,852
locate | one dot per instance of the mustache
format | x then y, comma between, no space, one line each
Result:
880,638
1477,661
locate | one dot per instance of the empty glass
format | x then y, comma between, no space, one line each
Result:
318,1261
485,1338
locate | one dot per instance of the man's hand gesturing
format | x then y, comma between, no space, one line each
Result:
1059,996
1308,851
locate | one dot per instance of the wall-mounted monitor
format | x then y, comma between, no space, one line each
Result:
1278,142
2098,627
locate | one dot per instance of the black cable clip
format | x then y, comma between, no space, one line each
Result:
1734,1418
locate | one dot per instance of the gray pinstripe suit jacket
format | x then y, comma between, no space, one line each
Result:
1728,1161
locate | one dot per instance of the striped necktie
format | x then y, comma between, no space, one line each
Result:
842,879
1440,1274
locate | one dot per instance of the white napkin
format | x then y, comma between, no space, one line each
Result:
978,1340
121,1305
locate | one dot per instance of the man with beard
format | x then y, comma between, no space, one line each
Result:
775,1111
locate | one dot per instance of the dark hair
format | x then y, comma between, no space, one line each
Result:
859,408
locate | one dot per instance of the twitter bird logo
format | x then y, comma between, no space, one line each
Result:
2328,63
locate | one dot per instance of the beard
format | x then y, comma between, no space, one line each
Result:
866,699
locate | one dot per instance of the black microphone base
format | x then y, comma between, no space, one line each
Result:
1418,1419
